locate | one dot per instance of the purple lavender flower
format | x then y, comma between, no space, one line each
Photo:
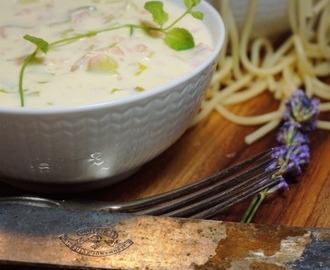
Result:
302,110
300,118
283,160
298,155
289,134
282,184
293,152
280,152
291,158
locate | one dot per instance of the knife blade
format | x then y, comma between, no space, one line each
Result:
48,237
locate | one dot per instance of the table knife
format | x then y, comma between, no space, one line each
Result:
49,238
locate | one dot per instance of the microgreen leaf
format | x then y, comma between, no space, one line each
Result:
191,3
159,15
141,69
197,14
179,39
139,88
39,42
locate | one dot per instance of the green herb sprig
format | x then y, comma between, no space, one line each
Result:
175,37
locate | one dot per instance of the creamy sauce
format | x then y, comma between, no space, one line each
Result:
111,65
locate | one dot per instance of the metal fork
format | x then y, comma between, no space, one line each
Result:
202,199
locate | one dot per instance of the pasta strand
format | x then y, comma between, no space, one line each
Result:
249,66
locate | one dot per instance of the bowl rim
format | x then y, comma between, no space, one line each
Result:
205,7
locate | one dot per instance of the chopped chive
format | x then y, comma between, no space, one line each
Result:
139,89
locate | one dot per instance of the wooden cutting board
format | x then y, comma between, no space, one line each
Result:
216,143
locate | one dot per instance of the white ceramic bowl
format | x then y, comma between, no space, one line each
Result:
271,18
87,147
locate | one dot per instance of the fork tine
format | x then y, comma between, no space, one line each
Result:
235,199
218,194
138,205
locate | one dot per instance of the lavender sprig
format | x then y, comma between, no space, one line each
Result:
293,152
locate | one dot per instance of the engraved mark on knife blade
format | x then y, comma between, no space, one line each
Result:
96,242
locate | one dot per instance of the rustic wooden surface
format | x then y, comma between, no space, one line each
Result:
216,143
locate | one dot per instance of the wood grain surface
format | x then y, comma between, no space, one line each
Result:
216,143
